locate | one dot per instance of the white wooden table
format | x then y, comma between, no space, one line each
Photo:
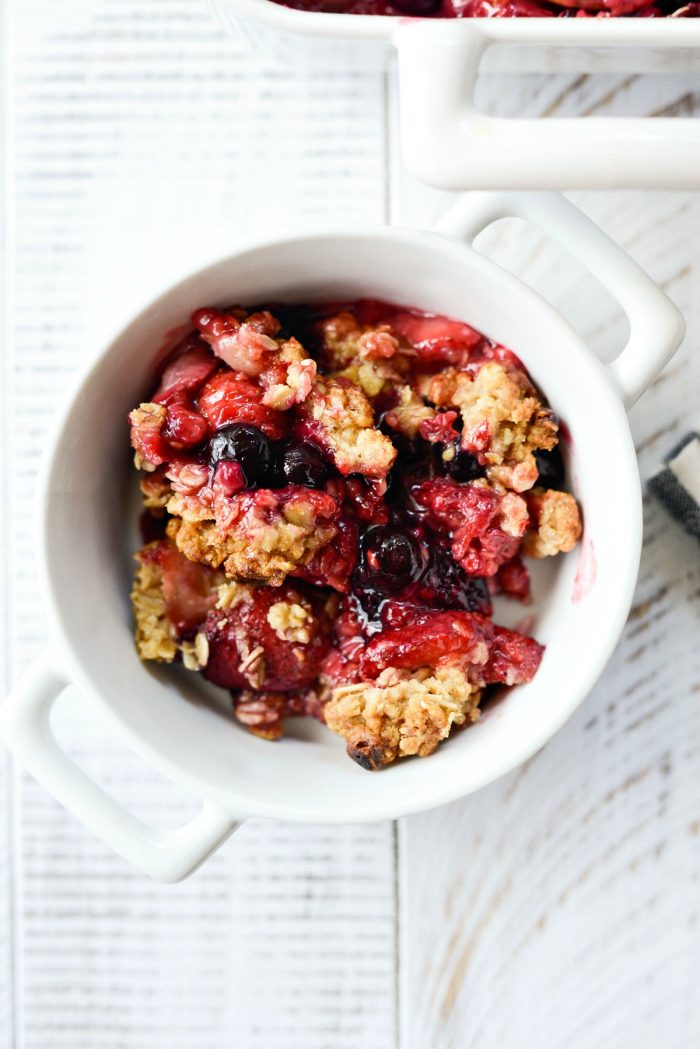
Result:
557,908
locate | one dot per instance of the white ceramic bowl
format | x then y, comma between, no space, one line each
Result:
448,143
86,555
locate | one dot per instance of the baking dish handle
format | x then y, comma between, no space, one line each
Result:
656,325
166,856
448,143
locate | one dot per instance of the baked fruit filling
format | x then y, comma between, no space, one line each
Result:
504,8
332,496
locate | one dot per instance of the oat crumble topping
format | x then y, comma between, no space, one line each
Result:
402,713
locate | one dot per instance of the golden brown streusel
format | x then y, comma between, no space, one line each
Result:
195,654
409,413
230,594
255,547
556,523
155,637
291,621
503,419
156,490
290,385
345,340
345,417
373,377
402,713
189,507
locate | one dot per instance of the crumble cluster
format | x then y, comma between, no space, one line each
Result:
332,496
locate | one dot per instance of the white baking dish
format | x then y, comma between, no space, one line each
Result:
448,143
85,550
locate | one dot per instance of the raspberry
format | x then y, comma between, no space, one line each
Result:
439,429
513,580
335,562
513,660
476,518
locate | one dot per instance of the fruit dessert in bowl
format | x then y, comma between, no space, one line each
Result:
320,545
339,491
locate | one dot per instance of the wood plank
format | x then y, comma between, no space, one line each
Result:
147,142
7,829
7,854
559,905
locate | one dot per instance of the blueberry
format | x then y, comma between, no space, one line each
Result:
551,468
463,467
304,464
390,558
446,585
249,447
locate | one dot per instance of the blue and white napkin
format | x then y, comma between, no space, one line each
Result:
677,485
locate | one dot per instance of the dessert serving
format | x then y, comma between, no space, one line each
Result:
504,8
332,496
178,723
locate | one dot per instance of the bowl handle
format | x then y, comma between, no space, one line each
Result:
166,856
656,325
448,143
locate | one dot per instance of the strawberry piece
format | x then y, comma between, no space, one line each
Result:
430,639
243,342
246,652
342,664
230,397
183,427
186,372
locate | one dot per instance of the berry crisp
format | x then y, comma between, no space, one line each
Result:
332,496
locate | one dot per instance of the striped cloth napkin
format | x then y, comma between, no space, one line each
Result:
677,485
